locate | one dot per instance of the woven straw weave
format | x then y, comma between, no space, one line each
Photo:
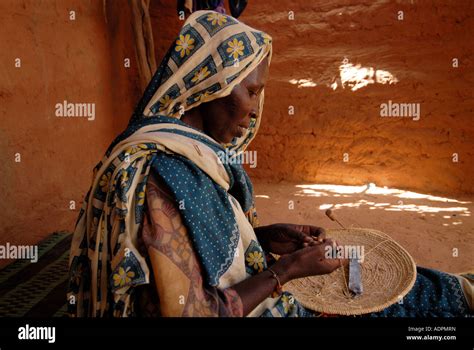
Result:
388,273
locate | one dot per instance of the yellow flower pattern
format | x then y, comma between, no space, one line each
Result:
165,102
104,182
287,303
255,260
203,96
136,148
216,18
200,75
123,277
266,38
124,178
184,45
236,48
141,198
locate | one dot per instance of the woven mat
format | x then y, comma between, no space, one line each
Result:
37,289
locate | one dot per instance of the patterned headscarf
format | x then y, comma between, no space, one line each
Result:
211,55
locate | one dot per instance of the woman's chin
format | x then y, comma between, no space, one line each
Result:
228,137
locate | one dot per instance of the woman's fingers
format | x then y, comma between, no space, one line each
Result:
298,235
318,233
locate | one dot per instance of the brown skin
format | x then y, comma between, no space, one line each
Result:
301,247
220,118
287,238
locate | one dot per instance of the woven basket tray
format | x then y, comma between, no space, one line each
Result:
388,273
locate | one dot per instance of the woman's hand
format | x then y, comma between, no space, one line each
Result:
304,262
309,261
288,238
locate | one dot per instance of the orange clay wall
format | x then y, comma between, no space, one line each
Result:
80,61
333,124
319,126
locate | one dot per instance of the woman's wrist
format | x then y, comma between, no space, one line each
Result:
284,268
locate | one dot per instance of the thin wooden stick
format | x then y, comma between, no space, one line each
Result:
331,216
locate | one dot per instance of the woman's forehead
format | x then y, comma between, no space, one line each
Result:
258,75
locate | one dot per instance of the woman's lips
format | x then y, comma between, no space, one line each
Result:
241,131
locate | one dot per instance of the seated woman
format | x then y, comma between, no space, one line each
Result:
168,228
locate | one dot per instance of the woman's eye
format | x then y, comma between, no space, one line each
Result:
252,93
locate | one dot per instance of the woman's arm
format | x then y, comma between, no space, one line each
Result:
178,276
305,262
176,270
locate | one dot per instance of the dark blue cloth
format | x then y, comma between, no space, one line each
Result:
435,294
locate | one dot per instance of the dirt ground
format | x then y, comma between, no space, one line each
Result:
437,231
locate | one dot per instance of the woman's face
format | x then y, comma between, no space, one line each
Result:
229,117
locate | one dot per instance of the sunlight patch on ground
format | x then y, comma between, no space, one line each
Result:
303,82
370,188
356,77
384,198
